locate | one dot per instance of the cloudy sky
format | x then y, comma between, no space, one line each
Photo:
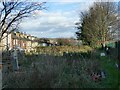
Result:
57,21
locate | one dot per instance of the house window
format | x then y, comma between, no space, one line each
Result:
14,34
23,44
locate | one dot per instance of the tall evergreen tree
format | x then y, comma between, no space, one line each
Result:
97,24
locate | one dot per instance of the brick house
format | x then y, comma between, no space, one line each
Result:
17,39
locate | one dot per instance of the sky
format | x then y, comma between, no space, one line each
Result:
58,21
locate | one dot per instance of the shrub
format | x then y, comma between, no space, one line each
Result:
59,50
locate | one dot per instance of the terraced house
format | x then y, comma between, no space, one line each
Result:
20,40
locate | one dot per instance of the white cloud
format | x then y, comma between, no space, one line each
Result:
82,0
63,0
53,24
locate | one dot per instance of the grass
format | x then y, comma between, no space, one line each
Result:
51,72
72,70
112,79
108,65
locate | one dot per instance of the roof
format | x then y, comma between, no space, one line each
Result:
21,37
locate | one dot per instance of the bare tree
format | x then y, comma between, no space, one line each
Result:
12,12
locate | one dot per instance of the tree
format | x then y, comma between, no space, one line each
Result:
12,12
62,41
97,24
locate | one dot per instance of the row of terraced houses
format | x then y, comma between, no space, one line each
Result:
17,39
28,42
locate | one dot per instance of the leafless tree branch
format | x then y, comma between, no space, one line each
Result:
12,12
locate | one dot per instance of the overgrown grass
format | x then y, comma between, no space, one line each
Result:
112,72
108,65
72,70
52,72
